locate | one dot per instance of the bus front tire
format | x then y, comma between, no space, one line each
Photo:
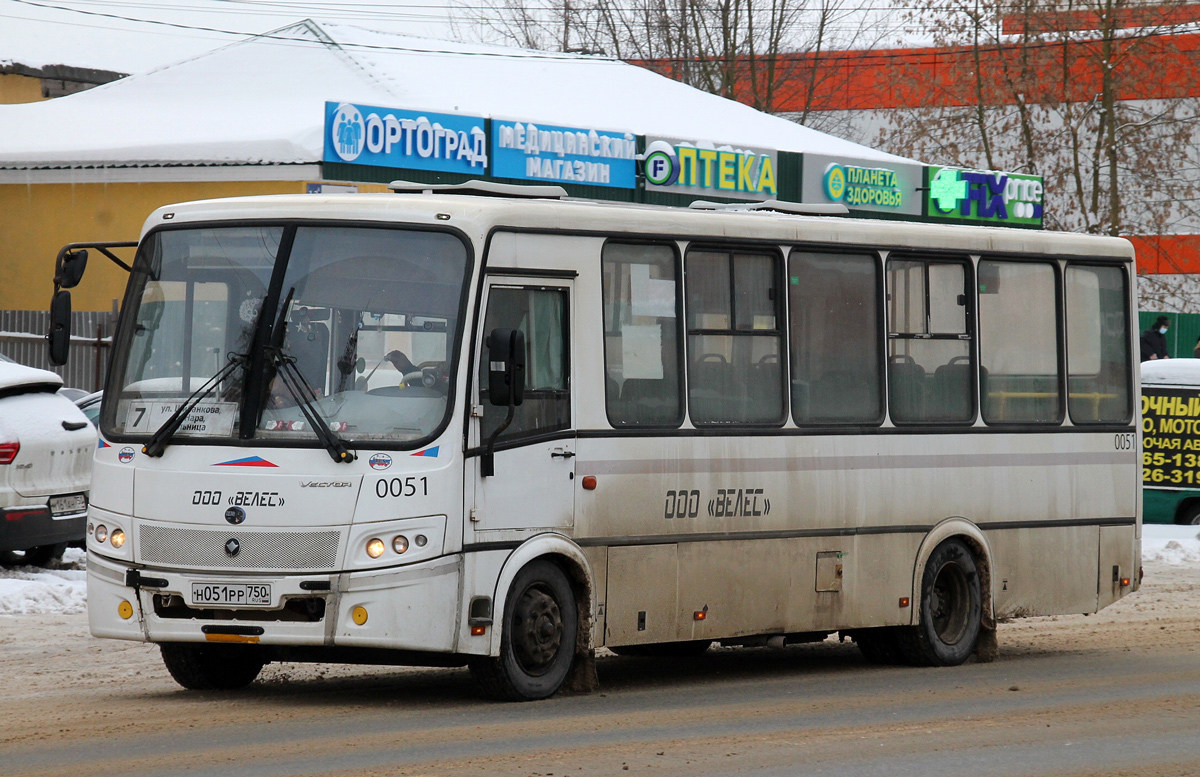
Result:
537,641
951,609
201,667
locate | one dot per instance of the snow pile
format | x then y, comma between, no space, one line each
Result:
45,591
1170,544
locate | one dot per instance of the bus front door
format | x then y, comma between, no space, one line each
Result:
533,460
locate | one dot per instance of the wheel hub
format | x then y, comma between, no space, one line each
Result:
537,630
949,604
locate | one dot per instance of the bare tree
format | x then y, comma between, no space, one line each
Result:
766,53
1090,94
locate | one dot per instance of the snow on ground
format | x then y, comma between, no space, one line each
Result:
62,589
1171,544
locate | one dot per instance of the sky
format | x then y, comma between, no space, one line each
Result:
87,33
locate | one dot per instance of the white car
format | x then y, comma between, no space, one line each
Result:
46,449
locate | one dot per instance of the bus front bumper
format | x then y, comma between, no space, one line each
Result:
407,608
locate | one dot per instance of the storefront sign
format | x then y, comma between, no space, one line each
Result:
1170,437
415,140
540,152
725,172
862,185
984,196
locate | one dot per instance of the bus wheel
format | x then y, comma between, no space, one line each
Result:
689,649
212,667
951,609
537,644
878,645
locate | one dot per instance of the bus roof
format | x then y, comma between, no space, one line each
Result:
479,215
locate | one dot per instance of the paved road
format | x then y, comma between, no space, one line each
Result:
1116,694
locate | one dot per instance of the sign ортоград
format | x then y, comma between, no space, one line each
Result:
540,152
413,140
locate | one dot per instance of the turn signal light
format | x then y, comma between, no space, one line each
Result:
905,601
118,538
399,543
700,615
375,547
589,482
1124,582
478,631
101,533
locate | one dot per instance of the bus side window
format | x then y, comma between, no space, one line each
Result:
1098,359
835,345
929,346
735,342
1019,376
641,335
542,315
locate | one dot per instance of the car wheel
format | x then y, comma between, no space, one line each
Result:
537,644
44,554
951,609
12,558
1190,516
212,667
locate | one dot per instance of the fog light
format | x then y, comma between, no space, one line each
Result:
375,547
118,538
125,610
359,614
399,543
420,539
101,533
91,528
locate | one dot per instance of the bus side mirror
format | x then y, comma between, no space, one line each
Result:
70,269
506,367
59,336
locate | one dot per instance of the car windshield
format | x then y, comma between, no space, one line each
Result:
368,316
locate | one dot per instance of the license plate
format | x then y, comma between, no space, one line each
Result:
231,594
65,505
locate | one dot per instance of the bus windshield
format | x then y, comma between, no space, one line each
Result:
367,316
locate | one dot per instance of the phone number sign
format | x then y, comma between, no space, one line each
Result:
1170,437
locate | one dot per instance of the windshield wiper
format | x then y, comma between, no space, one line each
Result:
162,436
285,367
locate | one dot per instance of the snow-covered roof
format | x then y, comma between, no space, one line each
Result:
261,101
13,375
1179,372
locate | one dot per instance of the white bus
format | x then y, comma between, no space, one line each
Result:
442,428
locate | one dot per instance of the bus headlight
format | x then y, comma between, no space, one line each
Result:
101,533
375,547
118,538
400,543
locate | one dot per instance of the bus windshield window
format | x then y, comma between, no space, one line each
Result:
1098,359
371,319
1018,343
929,347
835,338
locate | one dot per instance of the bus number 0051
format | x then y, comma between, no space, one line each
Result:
397,487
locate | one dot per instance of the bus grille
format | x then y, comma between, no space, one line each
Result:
258,550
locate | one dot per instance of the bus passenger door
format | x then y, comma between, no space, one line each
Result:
534,456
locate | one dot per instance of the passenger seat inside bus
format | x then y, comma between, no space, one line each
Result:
906,381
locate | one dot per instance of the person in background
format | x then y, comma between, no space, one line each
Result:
1196,349
1154,340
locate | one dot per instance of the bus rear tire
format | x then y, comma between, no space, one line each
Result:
537,641
951,609
201,667
689,649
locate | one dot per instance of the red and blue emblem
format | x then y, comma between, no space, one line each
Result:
249,461
103,444
428,452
